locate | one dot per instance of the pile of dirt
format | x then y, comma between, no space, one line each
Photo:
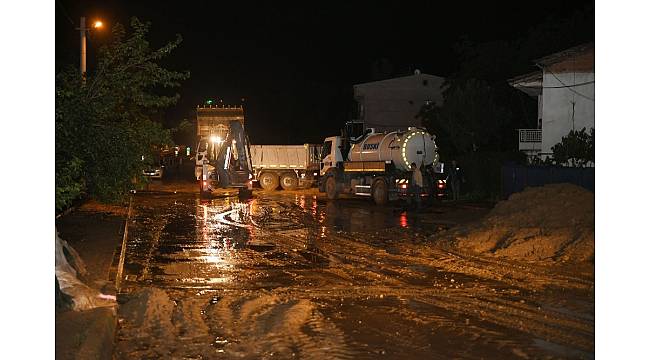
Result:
553,222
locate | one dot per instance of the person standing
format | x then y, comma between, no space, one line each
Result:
454,178
416,184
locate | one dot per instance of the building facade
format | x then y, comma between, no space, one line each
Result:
565,92
393,104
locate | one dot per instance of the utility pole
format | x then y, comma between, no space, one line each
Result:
82,63
82,32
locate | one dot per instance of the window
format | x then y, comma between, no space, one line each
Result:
425,82
327,149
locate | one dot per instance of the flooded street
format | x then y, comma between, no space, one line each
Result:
290,275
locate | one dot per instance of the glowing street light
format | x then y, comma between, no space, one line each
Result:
82,29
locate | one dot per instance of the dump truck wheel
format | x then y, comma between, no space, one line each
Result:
331,188
289,181
269,181
380,192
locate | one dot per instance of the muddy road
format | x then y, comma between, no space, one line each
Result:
290,275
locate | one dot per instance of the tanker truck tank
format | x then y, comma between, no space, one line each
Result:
401,148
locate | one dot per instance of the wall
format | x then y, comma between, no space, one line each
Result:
393,104
559,116
515,178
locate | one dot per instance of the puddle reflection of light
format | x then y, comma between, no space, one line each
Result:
314,206
403,221
219,254
302,202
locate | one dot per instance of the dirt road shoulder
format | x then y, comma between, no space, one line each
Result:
94,230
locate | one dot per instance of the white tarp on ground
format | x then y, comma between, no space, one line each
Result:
83,296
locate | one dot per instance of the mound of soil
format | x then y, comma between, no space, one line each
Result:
553,222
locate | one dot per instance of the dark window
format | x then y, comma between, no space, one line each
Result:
203,146
425,82
327,148
411,102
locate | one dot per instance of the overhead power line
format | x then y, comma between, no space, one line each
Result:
557,87
65,12
569,87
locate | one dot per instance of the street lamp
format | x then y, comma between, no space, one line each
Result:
82,30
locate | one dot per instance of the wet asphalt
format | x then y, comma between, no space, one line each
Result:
291,275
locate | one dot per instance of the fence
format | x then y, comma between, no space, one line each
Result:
515,178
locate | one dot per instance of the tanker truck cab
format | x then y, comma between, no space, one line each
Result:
331,154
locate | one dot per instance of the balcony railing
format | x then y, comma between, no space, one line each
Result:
530,139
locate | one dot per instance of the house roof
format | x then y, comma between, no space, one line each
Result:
412,76
526,78
565,54
530,83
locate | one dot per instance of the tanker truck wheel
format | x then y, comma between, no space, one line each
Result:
289,181
331,188
269,181
380,192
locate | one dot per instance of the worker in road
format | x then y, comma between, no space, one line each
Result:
416,184
454,178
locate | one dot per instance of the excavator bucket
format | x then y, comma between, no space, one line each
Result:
233,163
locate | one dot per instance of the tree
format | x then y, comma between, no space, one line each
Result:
471,119
184,133
575,149
104,127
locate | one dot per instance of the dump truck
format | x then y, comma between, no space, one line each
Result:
223,155
287,166
372,164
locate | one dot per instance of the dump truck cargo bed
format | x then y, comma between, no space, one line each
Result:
276,157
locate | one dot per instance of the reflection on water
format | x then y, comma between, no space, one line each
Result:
193,241
403,221
304,215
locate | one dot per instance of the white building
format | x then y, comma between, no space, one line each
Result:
393,104
564,88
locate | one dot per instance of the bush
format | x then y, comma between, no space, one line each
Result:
576,149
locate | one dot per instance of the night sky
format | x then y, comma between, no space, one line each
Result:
295,64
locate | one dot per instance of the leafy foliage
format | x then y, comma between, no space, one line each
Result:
575,149
104,126
184,133
471,119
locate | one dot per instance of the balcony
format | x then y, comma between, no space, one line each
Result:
530,140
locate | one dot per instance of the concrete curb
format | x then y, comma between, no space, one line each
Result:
120,266
99,341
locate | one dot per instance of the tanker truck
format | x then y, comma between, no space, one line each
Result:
372,164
